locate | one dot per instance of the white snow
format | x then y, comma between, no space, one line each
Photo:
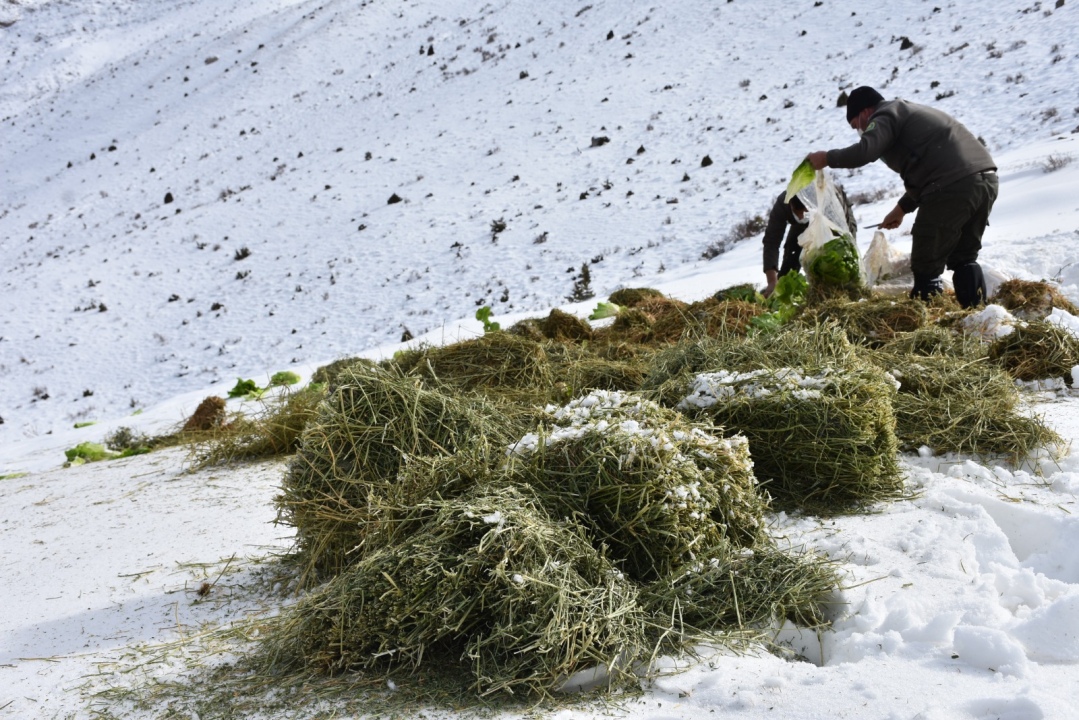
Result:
282,127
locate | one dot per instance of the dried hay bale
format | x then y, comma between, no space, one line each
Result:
490,581
646,483
599,374
631,297
1036,350
934,340
327,374
822,292
746,292
530,328
671,369
630,325
725,588
1029,300
348,467
273,431
952,403
209,414
563,326
722,317
822,438
493,361
870,322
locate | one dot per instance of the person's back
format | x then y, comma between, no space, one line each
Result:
927,147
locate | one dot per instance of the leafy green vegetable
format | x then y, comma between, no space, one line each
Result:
244,388
790,291
605,310
88,452
484,316
802,177
836,263
785,300
285,377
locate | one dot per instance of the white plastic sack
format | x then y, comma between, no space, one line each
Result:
827,221
884,261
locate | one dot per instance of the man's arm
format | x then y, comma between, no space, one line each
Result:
773,238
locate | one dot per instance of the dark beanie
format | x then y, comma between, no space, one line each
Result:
861,98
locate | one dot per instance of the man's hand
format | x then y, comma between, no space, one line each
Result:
819,159
771,276
893,219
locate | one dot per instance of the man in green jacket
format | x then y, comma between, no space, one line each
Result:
950,179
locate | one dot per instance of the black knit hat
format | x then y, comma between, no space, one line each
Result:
861,98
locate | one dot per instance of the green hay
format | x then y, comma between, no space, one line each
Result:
501,362
822,438
740,590
746,292
347,468
872,322
631,297
709,317
1036,350
599,374
564,327
789,346
490,581
1028,300
934,340
327,374
529,328
647,484
272,432
961,403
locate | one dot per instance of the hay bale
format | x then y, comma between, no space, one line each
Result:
729,589
1029,300
273,431
952,403
327,374
490,581
631,297
563,326
346,472
644,481
870,322
822,439
671,369
746,292
719,318
1037,350
209,414
934,340
599,374
495,361
529,328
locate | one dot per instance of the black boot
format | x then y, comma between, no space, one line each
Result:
969,283
926,287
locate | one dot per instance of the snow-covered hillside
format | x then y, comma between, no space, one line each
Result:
281,128
191,192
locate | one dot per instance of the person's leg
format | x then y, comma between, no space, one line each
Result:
967,276
938,228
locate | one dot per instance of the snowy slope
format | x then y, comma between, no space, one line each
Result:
282,128
962,603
